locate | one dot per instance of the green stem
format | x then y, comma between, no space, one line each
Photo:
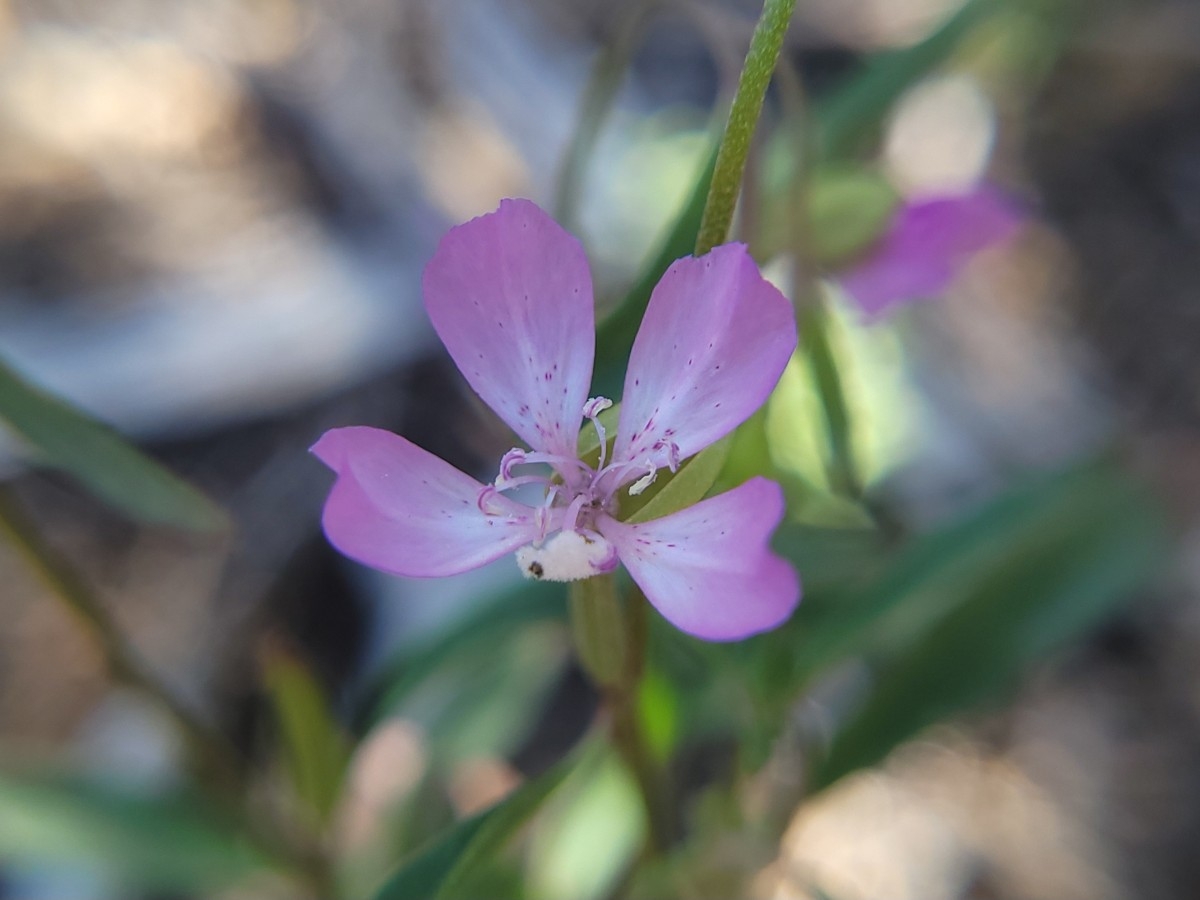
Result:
598,626
209,749
610,640
743,116
630,742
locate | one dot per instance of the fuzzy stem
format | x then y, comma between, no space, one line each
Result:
743,116
209,749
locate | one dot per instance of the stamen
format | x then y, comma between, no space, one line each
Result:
645,481
615,473
509,483
564,465
486,501
672,454
571,516
545,515
514,457
591,411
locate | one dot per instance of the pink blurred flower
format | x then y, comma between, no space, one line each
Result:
510,295
926,244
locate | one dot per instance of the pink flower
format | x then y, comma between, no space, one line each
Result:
926,244
510,295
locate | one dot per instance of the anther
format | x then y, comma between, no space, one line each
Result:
514,457
645,481
591,411
595,406
486,502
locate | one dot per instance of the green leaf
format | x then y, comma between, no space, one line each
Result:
439,870
107,465
982,602
847,206
855,110
168,842
848,210
317,750
589,835
493,625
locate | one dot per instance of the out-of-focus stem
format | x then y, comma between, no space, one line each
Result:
216,757
814,336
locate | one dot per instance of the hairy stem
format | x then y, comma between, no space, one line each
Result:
743,117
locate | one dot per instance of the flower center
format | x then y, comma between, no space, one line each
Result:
567,556
570,546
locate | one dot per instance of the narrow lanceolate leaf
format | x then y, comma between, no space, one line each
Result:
138,839
494,624
64,438
1044,574
449,862
316,748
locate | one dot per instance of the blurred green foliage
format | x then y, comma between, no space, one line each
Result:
62,437
171,840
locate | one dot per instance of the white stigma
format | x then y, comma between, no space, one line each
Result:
567,556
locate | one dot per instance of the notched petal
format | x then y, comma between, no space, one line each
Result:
510,295
400,509
709,569
715,339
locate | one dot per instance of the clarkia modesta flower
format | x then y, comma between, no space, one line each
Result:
510,295
926,244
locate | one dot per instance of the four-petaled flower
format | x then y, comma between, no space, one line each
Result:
510,295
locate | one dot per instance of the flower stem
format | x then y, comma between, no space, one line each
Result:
610,640
598,626
743,116
210,751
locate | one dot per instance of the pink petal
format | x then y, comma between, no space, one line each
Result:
398,508
510,295
714,341
709,568
926,244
